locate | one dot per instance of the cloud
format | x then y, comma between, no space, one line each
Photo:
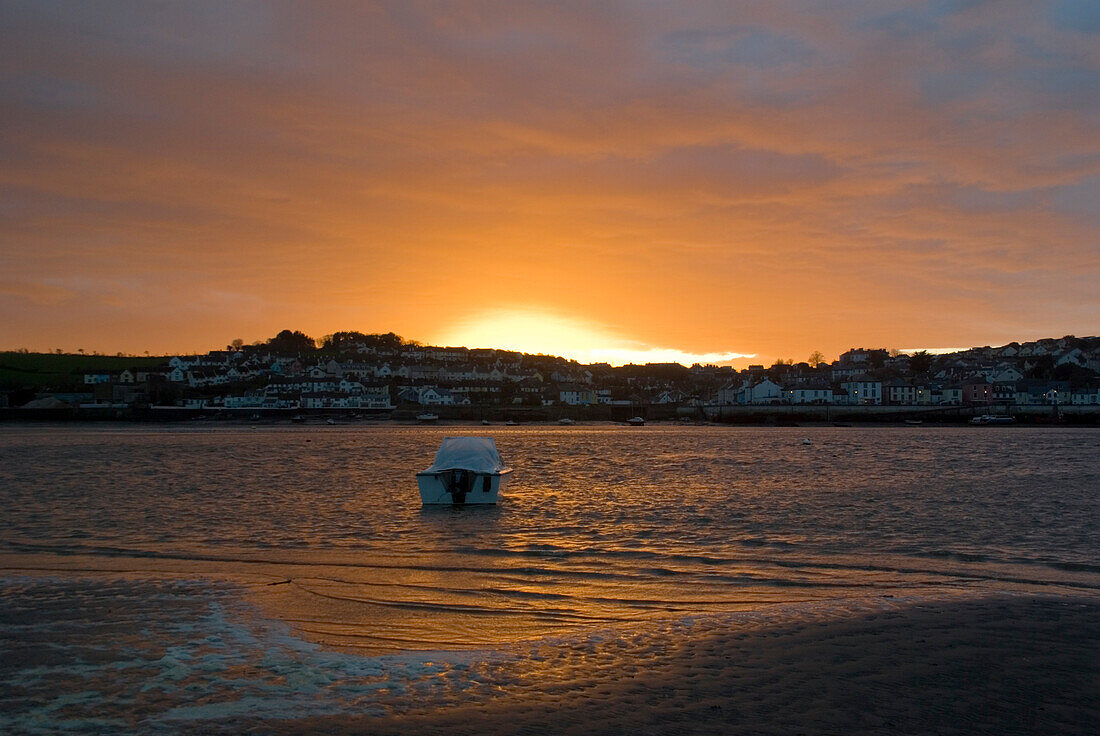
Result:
786,175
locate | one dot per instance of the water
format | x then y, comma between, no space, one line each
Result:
294,545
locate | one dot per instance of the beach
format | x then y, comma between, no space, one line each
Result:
1001,664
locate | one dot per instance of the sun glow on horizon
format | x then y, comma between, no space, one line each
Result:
537,332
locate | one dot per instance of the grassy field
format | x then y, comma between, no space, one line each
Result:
61,371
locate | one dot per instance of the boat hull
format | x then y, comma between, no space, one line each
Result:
433,489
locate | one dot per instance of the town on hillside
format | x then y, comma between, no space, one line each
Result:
357,374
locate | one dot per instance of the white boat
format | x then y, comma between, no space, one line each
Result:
466,470
993,419
636,422
566,421
427,417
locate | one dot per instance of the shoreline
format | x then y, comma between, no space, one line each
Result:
321,421
946,662
999,664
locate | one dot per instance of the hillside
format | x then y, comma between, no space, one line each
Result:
42,370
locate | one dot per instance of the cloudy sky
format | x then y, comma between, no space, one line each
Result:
613,179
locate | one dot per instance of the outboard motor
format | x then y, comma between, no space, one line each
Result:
458,484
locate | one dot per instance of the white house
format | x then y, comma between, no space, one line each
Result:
577,395
1075,357
763,392
808,394
863,391
669,397
1086,395
251,400
1008,375
183,361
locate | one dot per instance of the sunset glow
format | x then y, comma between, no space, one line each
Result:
772,178
544,332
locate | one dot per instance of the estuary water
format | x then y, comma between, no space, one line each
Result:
273,550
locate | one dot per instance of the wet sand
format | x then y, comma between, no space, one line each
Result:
1001,665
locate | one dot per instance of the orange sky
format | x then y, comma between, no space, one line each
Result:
625,181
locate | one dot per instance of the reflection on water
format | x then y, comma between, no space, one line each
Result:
599,527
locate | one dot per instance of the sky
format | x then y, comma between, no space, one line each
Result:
621,181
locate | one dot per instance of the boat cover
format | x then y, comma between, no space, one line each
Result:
478,454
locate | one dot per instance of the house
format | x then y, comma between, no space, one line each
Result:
669,396
576,395
1076,357
377,395
324,400
900,392
99,377
808,393
977,391
839,372
431,396
1008,374
947,395
729,394
1086,395
762,392
863,390
1038,393
250,400
199,377
183,361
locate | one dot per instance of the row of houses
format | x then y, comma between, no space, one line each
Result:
865,391
371,378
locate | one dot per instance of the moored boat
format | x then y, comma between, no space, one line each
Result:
427,417
636,421
993,419
466,470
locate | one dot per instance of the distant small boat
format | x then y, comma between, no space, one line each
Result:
510,423
806,441
913,421
993,419
636,421
330,420
298,418
466,470
484,422
427,417
566,421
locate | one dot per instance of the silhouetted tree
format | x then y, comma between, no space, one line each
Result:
920,361
1042,368
816,358
292,342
